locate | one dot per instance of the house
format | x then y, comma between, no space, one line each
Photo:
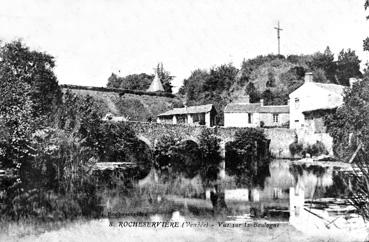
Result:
311,102
242,113
194,115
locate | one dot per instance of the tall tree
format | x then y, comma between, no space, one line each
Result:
348,65
252,92
324,63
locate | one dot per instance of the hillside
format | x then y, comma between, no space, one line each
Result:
134,106
271,77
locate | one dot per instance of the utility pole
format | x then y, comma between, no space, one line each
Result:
279,38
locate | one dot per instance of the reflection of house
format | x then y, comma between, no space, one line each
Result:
311,102
201,115
242,113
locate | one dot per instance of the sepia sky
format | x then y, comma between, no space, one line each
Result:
90,39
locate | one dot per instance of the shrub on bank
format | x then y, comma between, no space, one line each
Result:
296,148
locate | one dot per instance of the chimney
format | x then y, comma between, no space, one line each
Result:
308,77
261,102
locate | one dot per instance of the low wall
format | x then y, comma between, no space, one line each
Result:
308,138
280,140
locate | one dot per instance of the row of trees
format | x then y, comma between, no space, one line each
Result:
142,81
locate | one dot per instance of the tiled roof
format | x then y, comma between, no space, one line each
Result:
188,110
255,108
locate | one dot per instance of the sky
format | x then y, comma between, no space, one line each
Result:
90,39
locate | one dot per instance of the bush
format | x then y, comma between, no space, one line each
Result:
316,149
296,148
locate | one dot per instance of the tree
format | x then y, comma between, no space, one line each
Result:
174,157
193,86
252,92
32,73
131,82
248,158
210,155
271,78
366,40
268,97
349,127
30,94
325,63
164,77
348,65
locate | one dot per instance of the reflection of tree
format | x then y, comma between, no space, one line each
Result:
248,158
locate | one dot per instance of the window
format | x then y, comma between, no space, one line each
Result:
297,102
249,118
275,117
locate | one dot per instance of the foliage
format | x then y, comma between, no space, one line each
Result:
349,127
276,73
271,79
295,148
210,155
315,149
131,82
204,87
31,72
174,157
252,92
348,65
133,109
324,66
248,158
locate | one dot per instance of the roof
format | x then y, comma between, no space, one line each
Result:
155,85
332,88
320,110
187,110
337,89
255,108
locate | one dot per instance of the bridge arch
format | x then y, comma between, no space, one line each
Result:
145,140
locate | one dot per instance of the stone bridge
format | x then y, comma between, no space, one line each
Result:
280,138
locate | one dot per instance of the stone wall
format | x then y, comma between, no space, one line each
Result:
280,138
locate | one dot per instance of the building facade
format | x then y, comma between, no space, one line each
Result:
194,115
312,101
242,113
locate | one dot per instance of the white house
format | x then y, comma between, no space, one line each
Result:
312,101
194,115
242,113
310,104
